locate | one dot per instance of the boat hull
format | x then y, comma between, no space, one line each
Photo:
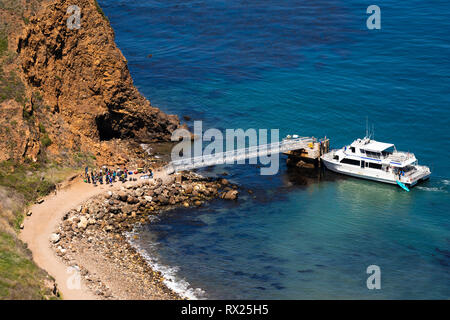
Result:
363,173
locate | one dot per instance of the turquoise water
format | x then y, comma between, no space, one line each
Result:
310,68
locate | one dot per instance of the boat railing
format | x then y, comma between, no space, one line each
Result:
399,156
419,171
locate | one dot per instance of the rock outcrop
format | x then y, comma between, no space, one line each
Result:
78,93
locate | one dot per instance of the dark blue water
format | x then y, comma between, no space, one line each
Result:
311,68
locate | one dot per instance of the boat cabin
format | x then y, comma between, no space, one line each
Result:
367,153
374,160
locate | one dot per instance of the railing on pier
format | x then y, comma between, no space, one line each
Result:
233,156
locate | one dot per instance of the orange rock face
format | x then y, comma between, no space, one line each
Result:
87,96
19,139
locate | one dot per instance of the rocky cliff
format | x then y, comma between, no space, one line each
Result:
73,89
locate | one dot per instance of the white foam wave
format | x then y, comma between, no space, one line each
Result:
434,189
174,283
153,219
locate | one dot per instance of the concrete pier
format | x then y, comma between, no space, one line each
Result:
309,156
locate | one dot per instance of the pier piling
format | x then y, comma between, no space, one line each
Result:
309,157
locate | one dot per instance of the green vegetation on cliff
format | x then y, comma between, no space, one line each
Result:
11,87
27,179
20,185
13,6
20,278
3,43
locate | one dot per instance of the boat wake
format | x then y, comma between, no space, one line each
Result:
433,189
171,280
440,186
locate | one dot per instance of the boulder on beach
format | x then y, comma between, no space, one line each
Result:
127,209
132,200
83,223
230,195
188,189
54,237
122,195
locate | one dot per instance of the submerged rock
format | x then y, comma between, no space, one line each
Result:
230,195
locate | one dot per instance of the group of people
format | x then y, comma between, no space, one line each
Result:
109,176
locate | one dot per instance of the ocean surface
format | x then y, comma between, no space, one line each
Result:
310,68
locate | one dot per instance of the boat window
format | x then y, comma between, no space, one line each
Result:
352,149
388,151
336,157
362,151
374,165
351,161
374,155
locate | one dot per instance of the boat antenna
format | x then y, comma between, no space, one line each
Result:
367,127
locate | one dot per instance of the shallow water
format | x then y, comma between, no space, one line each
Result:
310,68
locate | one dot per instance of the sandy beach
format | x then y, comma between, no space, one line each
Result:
44,220
109,267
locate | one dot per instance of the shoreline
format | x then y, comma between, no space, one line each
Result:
94,246
177,285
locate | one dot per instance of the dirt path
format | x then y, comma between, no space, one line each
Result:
44,221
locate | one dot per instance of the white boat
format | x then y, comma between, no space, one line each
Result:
373,160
